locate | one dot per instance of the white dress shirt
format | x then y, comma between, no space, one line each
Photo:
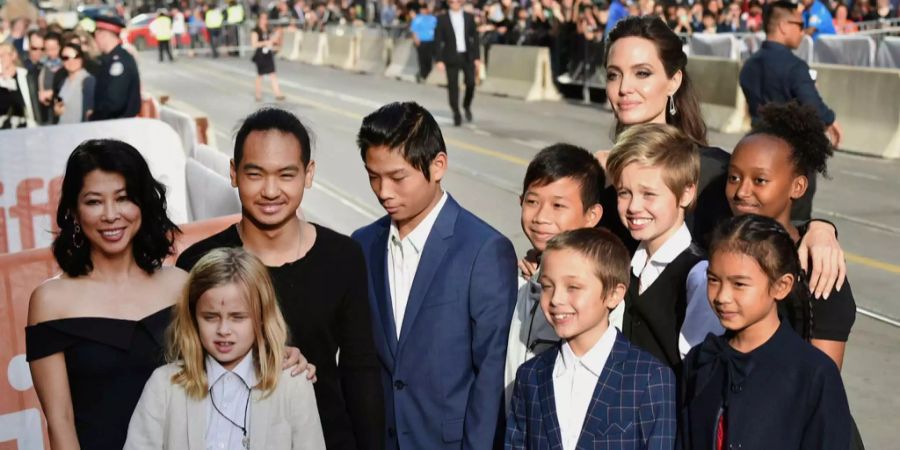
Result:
458,20
699,318
403,260
529,331
231,392
574,382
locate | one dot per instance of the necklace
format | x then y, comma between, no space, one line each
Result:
245,441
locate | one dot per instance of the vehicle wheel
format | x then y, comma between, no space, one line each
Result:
140,43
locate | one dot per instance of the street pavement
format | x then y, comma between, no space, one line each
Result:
487,163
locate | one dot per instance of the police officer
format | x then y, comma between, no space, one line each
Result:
118,90
213,19
235,17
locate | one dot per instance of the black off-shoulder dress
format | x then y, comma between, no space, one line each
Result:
108,361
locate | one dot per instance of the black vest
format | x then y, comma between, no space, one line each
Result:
653,320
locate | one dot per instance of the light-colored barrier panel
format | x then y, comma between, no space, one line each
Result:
314,48
715,45
864,100
214,160
851,50
805,50
20,273
721,100
370,51
519,72
32,162
183,124
889,53
404,61
341,48
211,195
288,38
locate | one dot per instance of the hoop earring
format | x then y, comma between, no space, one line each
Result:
672,109
76,234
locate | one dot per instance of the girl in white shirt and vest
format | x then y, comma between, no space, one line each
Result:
224,387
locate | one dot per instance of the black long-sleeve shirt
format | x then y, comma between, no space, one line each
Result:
324,299
775,74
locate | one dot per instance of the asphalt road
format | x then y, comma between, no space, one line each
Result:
487,163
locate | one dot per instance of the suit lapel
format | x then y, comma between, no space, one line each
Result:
432,255
380,287
606,394
259,420
547,399
196,423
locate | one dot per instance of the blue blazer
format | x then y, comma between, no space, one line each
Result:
443,379
633,405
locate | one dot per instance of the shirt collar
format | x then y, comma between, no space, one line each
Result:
419,235
245,370
594,360
457,14
665,255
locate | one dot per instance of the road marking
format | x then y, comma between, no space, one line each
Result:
860,175
868,223
878,317
873,263
345,199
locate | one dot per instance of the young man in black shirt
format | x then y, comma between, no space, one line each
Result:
319,275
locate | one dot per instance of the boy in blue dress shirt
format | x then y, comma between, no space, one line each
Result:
595,389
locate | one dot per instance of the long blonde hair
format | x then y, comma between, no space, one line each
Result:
217,268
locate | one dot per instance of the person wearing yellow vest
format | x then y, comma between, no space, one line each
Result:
213,19
161,27
234,19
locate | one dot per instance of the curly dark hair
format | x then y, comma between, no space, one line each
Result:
155,238
799,126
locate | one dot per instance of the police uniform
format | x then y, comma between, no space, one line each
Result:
118,91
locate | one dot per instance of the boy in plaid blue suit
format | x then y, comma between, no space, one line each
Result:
594,390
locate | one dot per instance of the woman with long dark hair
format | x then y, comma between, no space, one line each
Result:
648,82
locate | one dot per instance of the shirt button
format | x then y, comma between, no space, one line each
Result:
399,385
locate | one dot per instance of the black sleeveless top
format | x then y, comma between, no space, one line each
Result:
653,320
108,361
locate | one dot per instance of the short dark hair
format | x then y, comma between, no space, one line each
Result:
31,34
153,241
273,119
560,161
612,261
53,36
79,53
774,12
407,127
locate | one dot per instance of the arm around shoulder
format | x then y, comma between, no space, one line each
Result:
147,429
306,426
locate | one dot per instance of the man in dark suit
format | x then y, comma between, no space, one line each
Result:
458,48
442,290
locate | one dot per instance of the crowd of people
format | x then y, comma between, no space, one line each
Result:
674,293
50,76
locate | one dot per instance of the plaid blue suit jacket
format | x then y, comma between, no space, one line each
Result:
633,405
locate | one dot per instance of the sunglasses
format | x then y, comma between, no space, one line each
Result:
796,22
36,49
66,58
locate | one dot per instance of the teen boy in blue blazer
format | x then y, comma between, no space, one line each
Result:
595,390
443,286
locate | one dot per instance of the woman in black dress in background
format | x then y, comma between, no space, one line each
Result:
265,41
95,332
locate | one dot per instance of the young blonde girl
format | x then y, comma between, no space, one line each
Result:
224,386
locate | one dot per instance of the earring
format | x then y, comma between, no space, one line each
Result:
672,109
76,234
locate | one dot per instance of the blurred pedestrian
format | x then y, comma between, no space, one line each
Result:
265,42
842,23
118,90
75,101
214,20
162,30
234,18
458,48
16,109
179,27
817,19
422,27
195,28
48,81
